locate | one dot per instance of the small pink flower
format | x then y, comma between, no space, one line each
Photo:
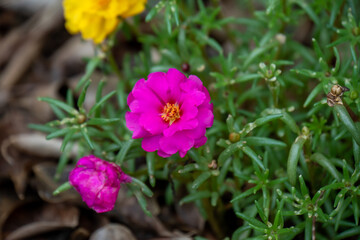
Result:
98,182
170,112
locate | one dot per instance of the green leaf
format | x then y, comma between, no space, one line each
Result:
257,52
252,221
85,134
356,153
337,63
230,123
247,77
294,154
82,95
191,167
253,156
102,121
263,141
58,133
69,98
59,104
168,18
90,68
307,8
258,122
155,10
290,122
123,151
248,192
316,91
63,187
308,229
223,172
224,155
355,205
304,189
195,196
142,202
334,185
262,215
345,118
57,111
326,164
200,179
214,198
67,138
175,11
202,37
142,186
102,100
64,158
278,221
42,128
347,234
98,96
150,162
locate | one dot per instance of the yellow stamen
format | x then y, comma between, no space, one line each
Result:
171,113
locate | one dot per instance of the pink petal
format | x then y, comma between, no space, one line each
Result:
151,143
179,126
193,83
176,142
206,116
81,180
200,141
132,123
189,108
145,100
195,133
105,199
152,122
159,84
182,154
175,78
163,154
130,98
206,92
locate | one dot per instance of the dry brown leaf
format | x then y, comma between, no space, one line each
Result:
31,220
46,185
19,165
36,144
8,201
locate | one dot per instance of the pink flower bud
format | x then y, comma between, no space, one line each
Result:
98,182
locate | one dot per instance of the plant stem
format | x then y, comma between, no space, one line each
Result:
213,220
114,65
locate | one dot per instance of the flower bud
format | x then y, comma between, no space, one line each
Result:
234,137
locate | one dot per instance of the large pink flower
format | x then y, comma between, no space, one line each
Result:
170,112
98,182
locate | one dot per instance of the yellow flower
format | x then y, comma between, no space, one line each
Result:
95,19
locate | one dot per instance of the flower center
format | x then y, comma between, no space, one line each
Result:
171,113
102,3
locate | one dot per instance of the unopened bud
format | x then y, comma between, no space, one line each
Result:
234,137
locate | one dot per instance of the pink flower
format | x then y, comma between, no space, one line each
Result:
170,112
98,182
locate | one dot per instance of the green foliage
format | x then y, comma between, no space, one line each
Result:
268,75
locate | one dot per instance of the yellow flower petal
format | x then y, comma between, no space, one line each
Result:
96,19
137,6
